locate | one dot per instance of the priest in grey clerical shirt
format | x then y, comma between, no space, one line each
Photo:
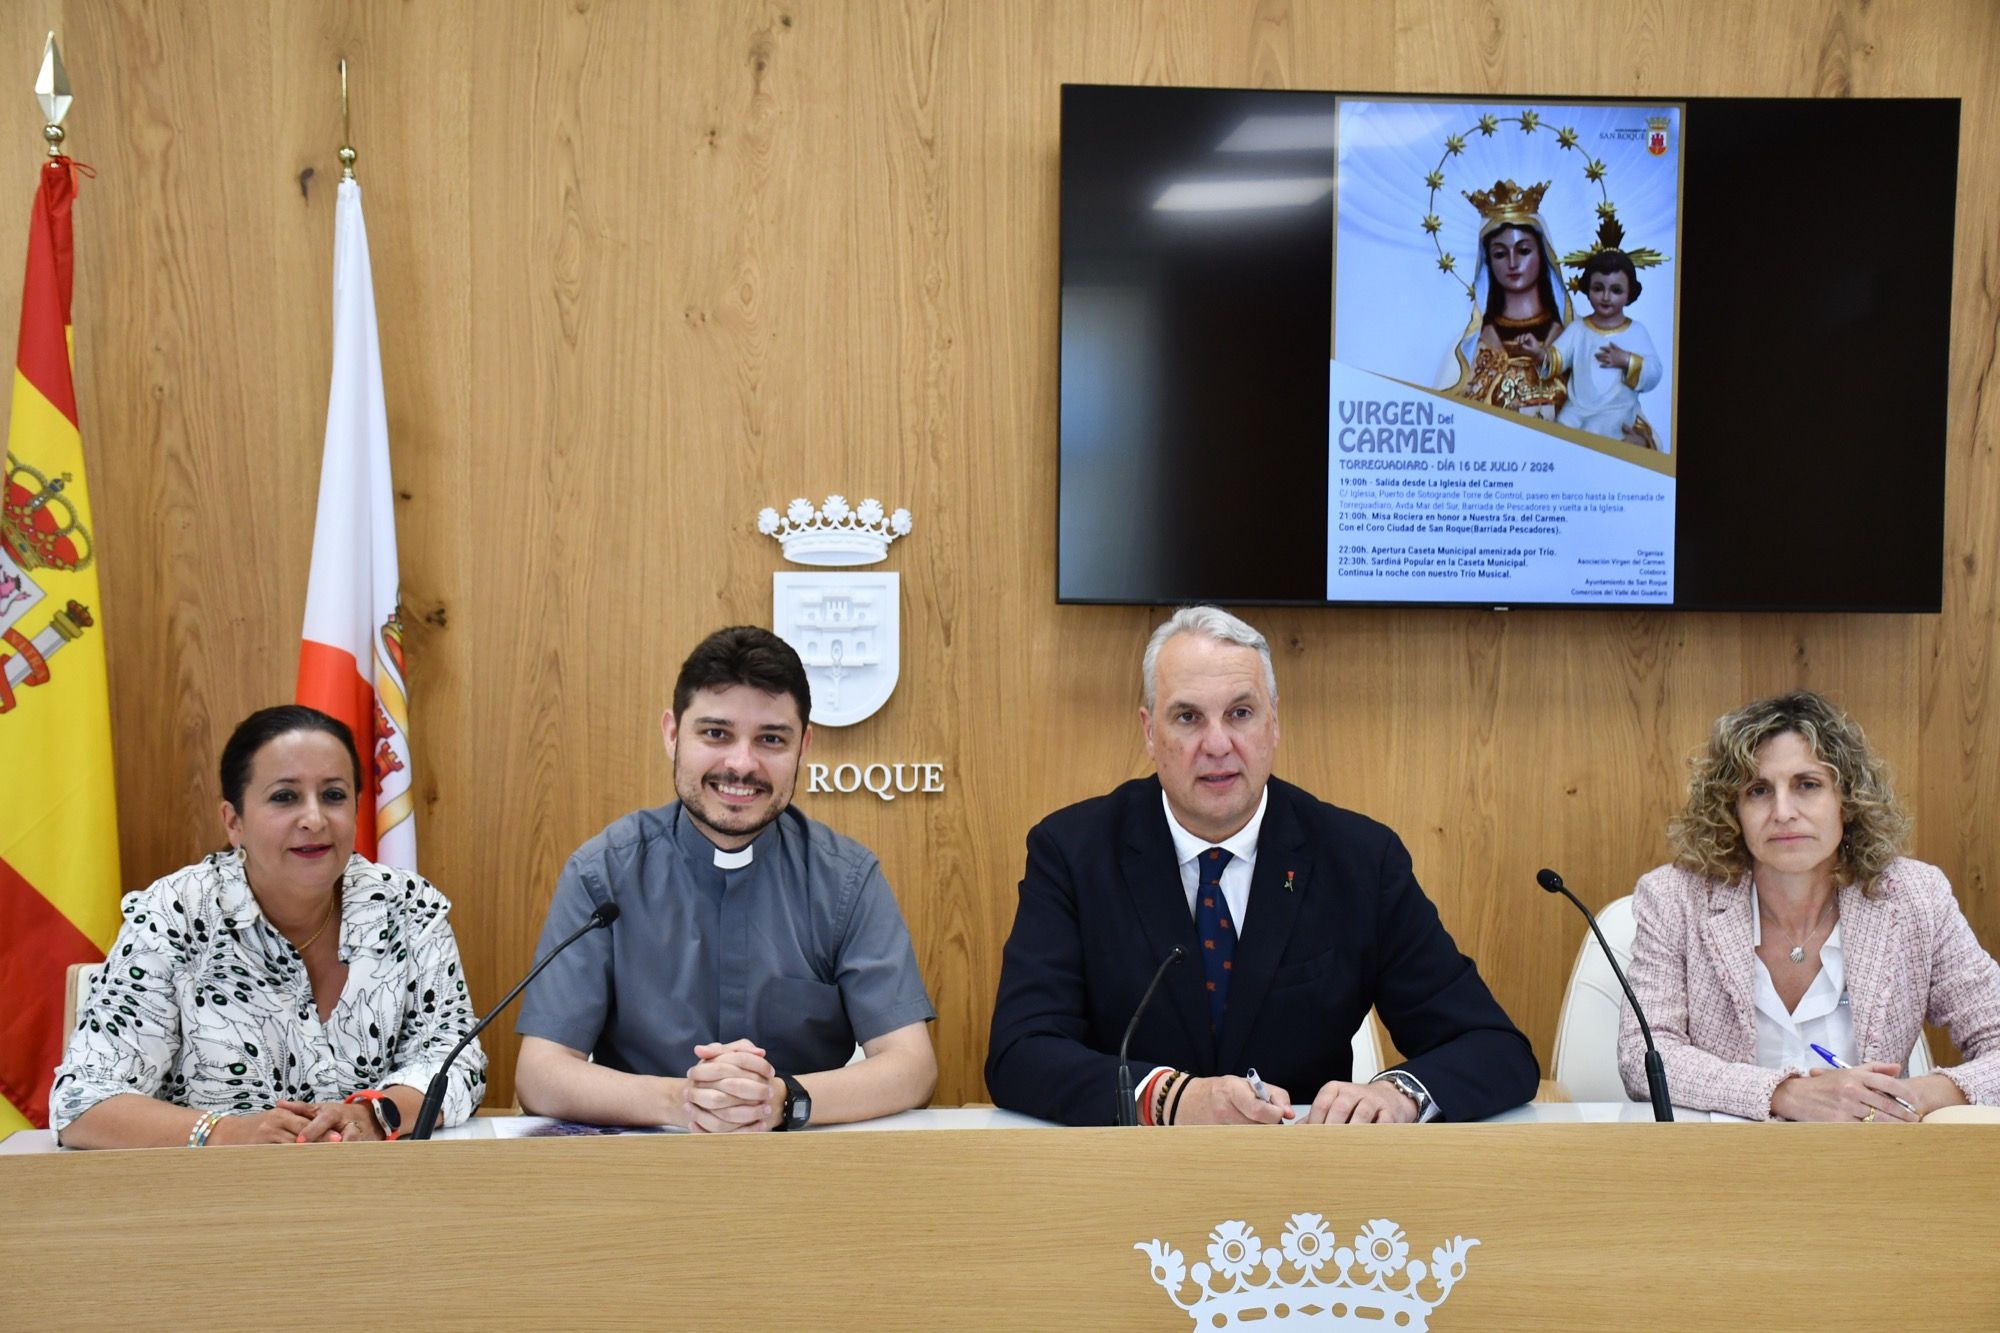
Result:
754,948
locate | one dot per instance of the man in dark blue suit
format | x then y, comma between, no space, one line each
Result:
1296,916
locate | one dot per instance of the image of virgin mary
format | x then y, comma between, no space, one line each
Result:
1500,355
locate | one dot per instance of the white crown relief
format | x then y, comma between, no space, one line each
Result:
834,533
1358,1289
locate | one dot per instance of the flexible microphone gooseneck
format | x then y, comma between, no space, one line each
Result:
1128,1112
433,1107
1656,1070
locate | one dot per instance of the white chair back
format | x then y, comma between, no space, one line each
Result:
76,990
1920,1062
1368,1054
1586,1062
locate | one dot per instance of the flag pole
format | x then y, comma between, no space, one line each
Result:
347,153
52,91
351,662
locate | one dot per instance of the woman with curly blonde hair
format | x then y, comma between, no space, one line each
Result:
1790,918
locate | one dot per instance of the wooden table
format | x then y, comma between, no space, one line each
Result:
1579,1225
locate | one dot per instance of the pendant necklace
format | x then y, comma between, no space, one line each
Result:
1798,953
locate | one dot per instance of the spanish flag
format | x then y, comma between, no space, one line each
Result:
59,880
351,657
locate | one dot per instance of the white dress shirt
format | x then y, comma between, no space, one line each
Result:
1242,848
1823,1015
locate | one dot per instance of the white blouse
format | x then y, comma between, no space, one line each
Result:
1785,1036
203,1003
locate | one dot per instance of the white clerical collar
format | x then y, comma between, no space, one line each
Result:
737,859
1241,845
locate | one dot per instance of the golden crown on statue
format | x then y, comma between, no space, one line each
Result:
39,524
835,533
1508,202
1308,1279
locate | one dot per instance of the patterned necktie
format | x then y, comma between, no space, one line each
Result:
1217,931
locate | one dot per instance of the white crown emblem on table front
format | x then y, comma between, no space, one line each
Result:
1308,1280
845,624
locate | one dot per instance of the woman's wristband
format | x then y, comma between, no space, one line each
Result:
388,1115
203,1126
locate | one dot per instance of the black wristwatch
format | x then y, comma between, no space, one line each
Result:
797,1111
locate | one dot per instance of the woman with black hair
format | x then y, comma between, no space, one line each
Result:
284,991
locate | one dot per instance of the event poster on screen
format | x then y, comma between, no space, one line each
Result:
1501,414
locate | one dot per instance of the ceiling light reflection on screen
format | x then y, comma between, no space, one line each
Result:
1280,134
1224,196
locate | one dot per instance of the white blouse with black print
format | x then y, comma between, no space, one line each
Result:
203,1003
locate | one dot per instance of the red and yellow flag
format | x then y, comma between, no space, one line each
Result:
59,881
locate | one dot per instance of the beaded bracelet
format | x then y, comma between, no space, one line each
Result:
1174,1107
198,1135
1160,1088
1169,1094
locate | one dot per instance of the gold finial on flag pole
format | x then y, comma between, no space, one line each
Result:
347,153
52,91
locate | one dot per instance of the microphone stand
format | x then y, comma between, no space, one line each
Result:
1128,1113
433,1107
1656,1069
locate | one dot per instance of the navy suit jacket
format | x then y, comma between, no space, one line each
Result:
1336,923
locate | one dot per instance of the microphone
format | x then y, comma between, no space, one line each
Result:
1656,1070
433,1107
1128,1113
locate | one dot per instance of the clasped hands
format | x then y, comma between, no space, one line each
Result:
731,1088
1229,1100
299,1122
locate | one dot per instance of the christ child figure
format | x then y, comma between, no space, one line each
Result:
1606,356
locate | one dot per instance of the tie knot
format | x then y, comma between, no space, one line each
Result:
1212,862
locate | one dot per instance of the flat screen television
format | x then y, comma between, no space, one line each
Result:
1348,348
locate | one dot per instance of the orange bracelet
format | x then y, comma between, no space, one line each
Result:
388,1116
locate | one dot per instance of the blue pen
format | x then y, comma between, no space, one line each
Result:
1838,1063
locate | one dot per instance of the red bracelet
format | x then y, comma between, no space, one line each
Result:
1147,1091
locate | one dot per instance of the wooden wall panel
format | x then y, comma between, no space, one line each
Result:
645,268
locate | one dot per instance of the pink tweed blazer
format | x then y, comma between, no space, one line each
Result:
1911,958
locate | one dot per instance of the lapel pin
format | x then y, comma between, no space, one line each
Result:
1289,877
